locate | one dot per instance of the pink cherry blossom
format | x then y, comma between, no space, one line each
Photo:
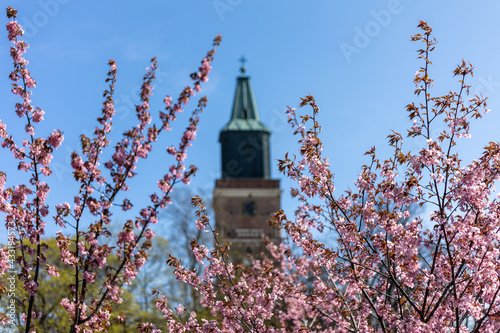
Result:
26,208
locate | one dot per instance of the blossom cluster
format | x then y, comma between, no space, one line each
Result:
83,244
390,266
387,271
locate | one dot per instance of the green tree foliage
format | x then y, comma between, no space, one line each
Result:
138,304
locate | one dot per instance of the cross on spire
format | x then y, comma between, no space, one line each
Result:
242,60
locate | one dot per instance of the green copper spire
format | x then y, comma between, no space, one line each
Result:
242,68
245,140
245,115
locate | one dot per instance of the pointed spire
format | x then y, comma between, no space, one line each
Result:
245,115
242,68
245,140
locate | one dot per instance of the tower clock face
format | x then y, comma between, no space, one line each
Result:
249,208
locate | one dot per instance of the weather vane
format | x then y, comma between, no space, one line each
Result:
243,60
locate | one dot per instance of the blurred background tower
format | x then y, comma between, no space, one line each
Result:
245,196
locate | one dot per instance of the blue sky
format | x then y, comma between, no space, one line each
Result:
355,57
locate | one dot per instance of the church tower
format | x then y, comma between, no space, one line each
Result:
245,196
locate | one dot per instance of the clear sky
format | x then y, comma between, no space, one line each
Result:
355,57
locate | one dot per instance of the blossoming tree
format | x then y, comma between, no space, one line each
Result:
82,246
387,271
